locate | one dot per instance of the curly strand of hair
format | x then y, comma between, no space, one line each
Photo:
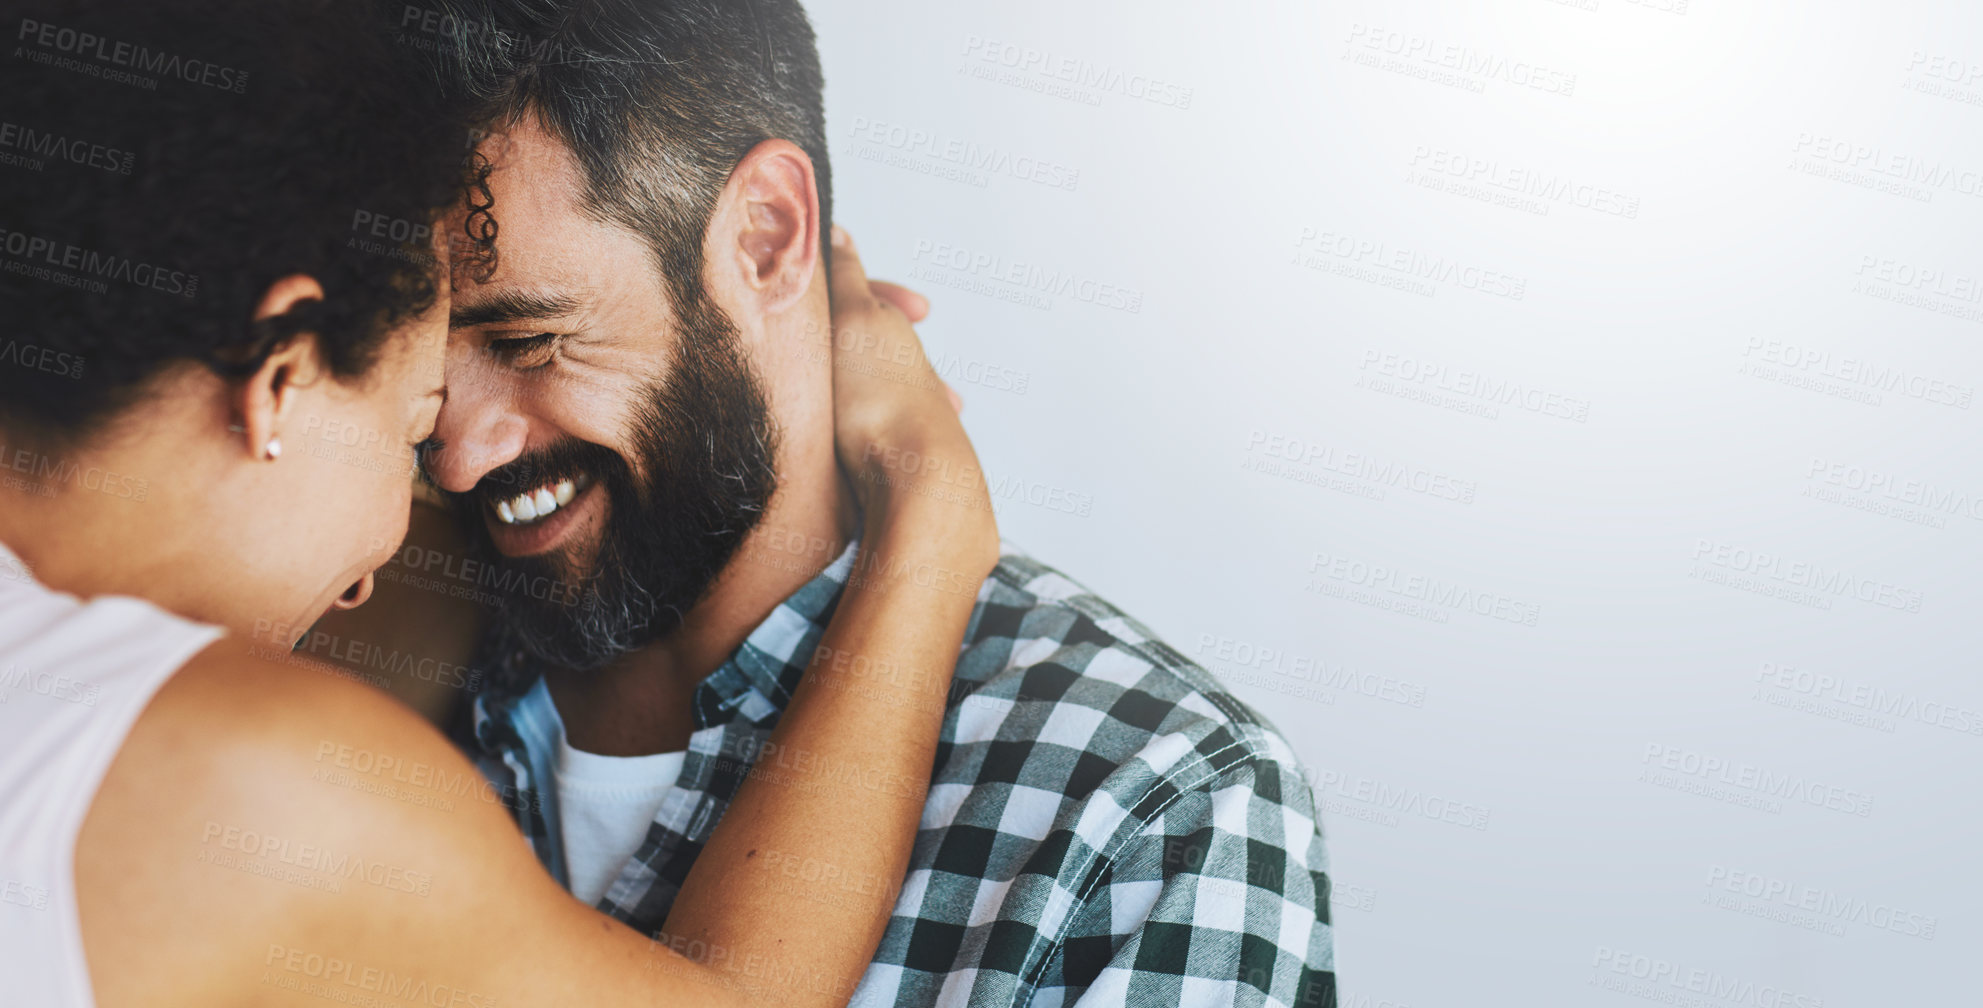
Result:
475,251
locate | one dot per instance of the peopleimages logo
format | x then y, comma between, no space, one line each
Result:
41,474
1823,906
1288,672
41,358
977,159
1665,980
1076,72
1863,702
1030,277
21,894
42,257
218,840
1446,63
1522,181
1796,580
1896,165
1316,249
341,981
40,146
1385,800
1665,765
1432,591
53,685
1359,465
52,39
1895,488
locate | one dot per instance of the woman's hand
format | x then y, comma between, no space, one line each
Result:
895,422
865,718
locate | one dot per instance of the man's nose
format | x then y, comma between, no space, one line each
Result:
480,429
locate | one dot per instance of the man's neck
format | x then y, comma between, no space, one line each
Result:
640,704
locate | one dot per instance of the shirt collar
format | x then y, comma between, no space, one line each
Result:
758,679
755,683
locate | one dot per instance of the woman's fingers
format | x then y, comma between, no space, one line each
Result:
885,393
852,292
912,304
850,288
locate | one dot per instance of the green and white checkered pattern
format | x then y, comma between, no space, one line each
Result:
1106,825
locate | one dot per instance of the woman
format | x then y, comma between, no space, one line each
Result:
171,828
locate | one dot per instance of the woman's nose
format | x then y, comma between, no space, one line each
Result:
355,595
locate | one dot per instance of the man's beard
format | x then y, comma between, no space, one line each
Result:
704,440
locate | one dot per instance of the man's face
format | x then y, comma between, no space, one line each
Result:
597,439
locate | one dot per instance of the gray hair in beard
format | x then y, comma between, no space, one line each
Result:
705,447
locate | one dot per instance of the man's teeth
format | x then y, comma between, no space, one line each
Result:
537,504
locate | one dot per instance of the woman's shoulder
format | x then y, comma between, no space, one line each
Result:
255,805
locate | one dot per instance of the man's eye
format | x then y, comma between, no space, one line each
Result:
527,352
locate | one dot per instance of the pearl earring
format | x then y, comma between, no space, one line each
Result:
270,451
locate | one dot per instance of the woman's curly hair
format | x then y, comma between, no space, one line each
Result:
224,144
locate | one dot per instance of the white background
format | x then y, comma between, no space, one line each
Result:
1722,449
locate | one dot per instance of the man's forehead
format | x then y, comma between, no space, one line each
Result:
528,201
553,259
526,154
539,275
531,255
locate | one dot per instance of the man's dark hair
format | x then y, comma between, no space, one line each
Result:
657,99
162,162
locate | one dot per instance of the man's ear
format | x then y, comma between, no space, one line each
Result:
773,209
265,400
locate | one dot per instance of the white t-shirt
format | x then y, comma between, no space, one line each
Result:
605,803
74,676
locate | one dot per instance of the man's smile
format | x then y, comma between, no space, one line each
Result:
538,520
537,505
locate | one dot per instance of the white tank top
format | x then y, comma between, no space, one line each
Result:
74,676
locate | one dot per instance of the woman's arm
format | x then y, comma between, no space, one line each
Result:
801,874
273,838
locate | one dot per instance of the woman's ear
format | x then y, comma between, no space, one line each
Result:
266,399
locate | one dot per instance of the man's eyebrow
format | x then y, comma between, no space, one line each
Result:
513,306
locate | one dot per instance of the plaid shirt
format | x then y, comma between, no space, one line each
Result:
1106,825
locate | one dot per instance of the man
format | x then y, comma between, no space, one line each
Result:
639,406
